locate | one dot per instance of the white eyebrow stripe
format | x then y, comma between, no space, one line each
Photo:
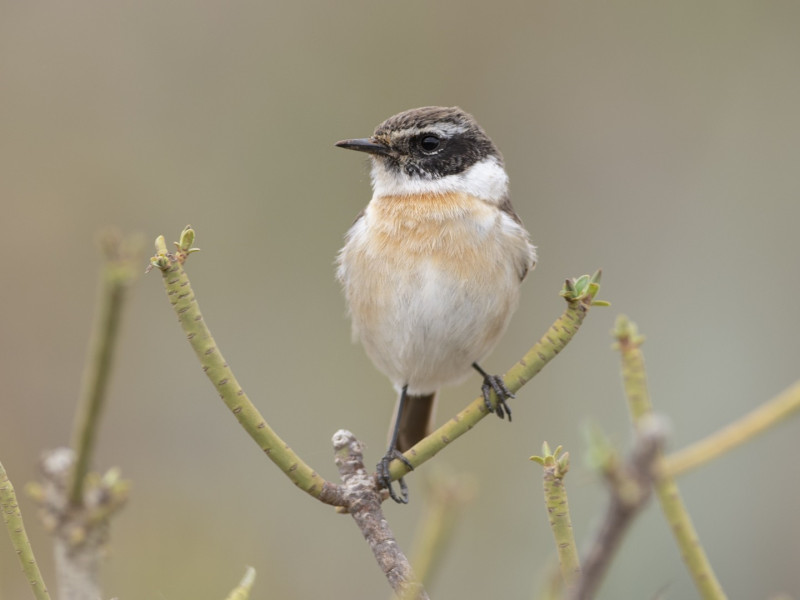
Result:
442,129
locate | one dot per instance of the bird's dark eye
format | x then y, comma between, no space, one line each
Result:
430,143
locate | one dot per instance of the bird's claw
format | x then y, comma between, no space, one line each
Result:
496,383
385,477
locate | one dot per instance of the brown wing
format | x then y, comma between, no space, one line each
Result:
508,209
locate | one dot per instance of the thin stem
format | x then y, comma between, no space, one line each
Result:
555,468
19,539
759,420
635,383
181,296
117,273
554,341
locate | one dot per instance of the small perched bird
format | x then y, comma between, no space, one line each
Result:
431,269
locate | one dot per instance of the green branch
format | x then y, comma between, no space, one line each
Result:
121,263
580,296
19,539
759,420
635,383
555,497
181,296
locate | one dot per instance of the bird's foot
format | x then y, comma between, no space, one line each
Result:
495,383
385,477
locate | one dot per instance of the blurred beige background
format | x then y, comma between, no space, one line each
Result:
659,142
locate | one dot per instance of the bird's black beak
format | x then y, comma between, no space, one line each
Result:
368,145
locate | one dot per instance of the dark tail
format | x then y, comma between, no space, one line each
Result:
416,421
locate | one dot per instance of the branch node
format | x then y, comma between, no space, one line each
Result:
362,499
80,529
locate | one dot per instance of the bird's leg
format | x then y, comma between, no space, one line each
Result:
384,476
496,383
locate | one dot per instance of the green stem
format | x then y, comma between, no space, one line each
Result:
635,384
545,350
561,525
19,539
180,294
118,271
762,418
555,497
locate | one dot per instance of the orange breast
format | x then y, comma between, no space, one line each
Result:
456,231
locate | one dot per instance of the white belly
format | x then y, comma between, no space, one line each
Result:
434,326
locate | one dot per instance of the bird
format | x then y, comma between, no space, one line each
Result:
431,268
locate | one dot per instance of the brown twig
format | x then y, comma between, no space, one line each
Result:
631,488
363,501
